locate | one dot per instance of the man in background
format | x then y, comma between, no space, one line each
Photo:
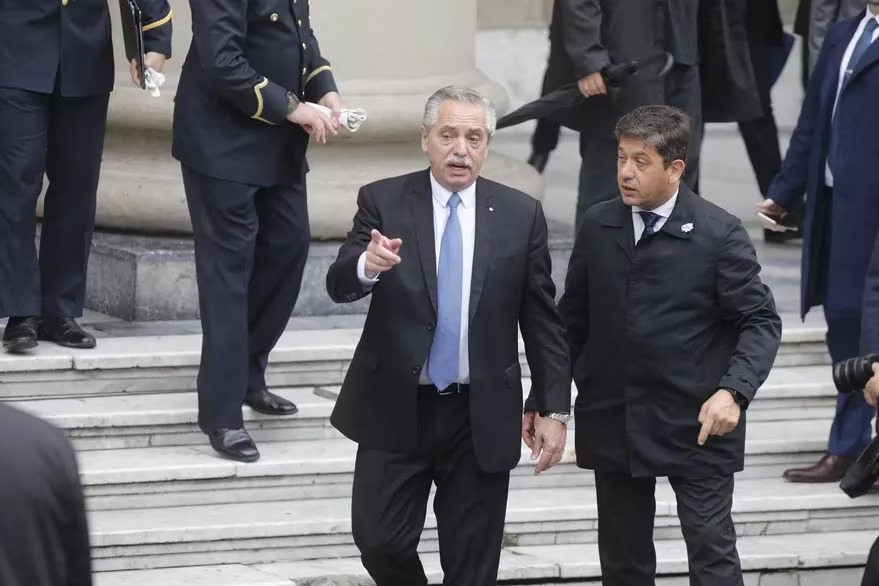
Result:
56,74
44,536
831,160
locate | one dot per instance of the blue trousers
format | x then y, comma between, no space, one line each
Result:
851,430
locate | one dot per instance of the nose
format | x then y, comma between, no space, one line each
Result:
460,146
626,170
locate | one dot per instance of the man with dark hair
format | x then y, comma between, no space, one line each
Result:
671,333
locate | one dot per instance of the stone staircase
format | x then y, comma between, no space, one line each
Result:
165,510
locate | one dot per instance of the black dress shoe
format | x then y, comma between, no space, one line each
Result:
269,403
20,334
235,444
64,331
538,161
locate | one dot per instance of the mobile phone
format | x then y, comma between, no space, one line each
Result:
774,221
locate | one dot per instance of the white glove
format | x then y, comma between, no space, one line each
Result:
153,80
350,119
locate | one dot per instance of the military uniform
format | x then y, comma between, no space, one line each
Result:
56,74
244,170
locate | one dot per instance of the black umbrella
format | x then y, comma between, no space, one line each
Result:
567,106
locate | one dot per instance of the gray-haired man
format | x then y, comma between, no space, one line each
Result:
455,264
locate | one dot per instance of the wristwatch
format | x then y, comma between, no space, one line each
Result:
292,103
560,417
739,398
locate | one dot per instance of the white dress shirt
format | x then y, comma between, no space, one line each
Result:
828,175
663,211
467,219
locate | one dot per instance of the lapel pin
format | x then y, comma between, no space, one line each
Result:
686,227
491,209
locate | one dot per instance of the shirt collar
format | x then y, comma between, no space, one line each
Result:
442,195
664,210
868,16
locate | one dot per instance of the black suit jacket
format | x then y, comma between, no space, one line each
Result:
69,42
44,538
511,287
655,330
230,114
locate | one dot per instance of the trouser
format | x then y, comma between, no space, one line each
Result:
626,512
390,496
761,134
598,167
63,139
251,244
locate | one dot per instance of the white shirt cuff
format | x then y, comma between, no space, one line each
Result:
361,273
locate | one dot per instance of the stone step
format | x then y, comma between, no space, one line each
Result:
320,528
150,364
137,478
784,560
169,419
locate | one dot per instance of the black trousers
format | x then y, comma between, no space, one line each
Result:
598,167
626,511
390,497
251,244
63,139
761,134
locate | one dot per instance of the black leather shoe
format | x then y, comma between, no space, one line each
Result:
538,161
235,444
64,331
20,334
269,404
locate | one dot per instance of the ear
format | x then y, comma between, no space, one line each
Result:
676,171
424,134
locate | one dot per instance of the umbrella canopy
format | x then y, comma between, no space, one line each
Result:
568,107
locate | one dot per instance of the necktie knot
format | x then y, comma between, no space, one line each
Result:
453,202
871,25
650,219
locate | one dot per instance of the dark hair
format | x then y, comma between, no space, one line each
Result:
665,128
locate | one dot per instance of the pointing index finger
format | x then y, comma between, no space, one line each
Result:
705,431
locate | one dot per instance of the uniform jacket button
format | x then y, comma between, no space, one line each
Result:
416,370
274,17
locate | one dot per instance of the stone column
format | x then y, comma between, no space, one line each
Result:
388,57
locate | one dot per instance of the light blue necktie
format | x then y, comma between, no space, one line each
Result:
443,364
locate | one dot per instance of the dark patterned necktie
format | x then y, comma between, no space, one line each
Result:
650,220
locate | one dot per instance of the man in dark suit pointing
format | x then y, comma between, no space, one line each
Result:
434,391
671,333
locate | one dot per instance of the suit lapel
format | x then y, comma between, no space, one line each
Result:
422,218
481,242
836,47
680,222
870,57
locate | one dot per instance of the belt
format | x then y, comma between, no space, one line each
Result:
452,389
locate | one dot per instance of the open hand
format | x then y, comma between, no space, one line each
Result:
382,254
315,122
546,438
719,415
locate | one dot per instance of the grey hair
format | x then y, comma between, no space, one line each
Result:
665,128
461,94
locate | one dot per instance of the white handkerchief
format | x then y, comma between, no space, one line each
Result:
153,81
350,119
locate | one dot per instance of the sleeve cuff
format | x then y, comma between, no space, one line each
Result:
742,387
319,83
271,102
157,35
361,273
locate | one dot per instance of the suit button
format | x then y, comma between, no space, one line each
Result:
303,45
304,70
429,327
299,22
416,370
